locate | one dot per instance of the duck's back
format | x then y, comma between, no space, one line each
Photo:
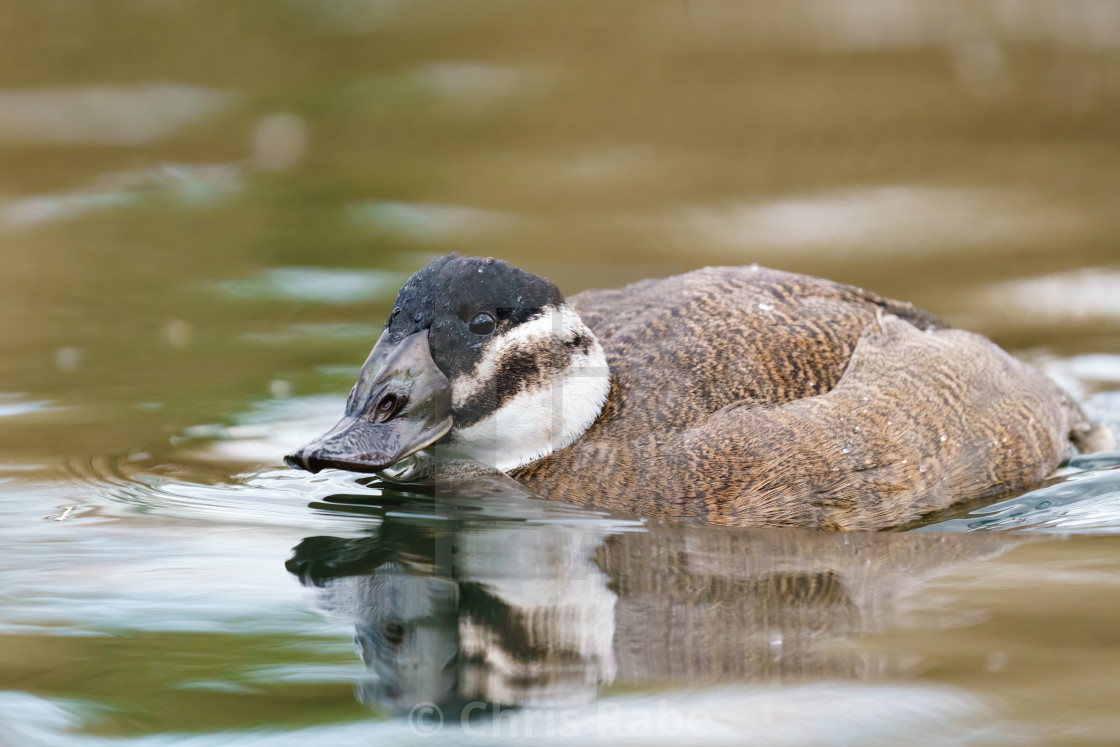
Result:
750,396
684,346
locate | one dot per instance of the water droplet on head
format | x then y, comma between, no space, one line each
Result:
922,468
766,306
944,438
417,317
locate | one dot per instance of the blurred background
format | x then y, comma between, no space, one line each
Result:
206,210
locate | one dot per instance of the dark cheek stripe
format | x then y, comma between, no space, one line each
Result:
518,369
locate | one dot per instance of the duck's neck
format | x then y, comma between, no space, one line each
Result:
535,391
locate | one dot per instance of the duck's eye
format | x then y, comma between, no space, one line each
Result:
482,324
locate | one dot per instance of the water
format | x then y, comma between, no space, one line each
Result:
205,214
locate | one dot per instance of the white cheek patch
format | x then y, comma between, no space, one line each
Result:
549,413
552,326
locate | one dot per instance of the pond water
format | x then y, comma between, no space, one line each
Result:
206,210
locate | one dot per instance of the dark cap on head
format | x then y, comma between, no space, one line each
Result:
448,292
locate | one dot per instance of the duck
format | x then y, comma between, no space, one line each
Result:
737,396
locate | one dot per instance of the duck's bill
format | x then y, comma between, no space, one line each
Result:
365,440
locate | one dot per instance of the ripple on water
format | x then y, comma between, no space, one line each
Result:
222,473
278,497
1084,502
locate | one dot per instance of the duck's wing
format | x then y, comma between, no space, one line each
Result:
919,420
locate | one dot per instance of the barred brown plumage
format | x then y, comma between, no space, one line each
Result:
783,399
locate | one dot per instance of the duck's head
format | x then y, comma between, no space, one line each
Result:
484,358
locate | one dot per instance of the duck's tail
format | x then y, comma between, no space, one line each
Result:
1091,437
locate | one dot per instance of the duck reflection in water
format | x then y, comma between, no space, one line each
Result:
457,602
